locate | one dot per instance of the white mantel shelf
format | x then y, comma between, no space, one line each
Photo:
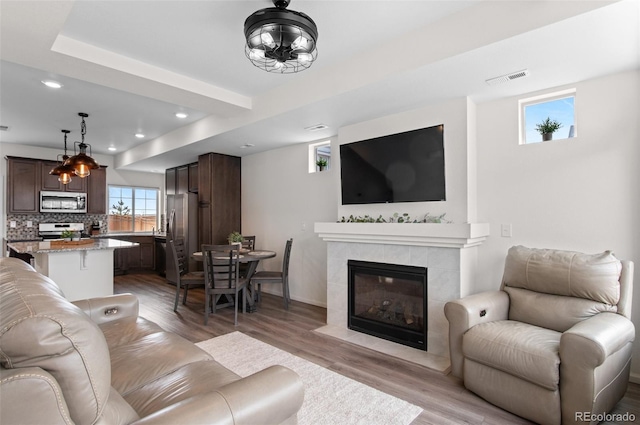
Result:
447,235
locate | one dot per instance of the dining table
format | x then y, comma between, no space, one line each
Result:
252,259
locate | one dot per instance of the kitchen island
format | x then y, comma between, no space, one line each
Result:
82,269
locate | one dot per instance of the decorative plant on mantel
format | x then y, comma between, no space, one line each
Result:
395,218
547,127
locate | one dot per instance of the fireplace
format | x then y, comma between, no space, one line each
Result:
388,301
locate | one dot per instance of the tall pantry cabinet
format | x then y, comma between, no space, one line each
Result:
218,197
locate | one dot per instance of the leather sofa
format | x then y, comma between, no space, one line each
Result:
554,344
97,362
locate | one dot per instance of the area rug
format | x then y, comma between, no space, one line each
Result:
329,397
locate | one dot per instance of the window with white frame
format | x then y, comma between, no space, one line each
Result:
133,209
319,156
548,117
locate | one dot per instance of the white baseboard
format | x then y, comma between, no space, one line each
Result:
635,378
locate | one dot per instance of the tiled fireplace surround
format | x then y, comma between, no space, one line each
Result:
447,250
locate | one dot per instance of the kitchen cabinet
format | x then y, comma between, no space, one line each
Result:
51,182
97,191
140,257
218,197
23,185
26,177
170,181
182,179
193,177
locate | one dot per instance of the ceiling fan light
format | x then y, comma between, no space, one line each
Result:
280,35
256,54
300,42
304,57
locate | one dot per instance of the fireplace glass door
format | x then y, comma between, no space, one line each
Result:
389,301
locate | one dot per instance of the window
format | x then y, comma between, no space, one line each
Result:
319,156
133,209
558,108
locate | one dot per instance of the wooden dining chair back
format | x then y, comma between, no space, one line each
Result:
222,278
184,278
279,277
249,242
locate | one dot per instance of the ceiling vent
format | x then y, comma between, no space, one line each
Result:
317,127
508,77
4,128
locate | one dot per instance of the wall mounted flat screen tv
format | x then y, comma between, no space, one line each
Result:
403,167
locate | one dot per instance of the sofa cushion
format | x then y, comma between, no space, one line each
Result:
593,277
126,330
522,350
189,380
40,328
146,359
551,311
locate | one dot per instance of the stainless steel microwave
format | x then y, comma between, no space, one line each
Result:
63,202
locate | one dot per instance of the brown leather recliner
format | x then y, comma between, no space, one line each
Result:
553,345
96,362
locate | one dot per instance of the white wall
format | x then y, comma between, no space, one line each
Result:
281,200
457,117
578,194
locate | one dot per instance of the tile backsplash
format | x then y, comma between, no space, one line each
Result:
21,231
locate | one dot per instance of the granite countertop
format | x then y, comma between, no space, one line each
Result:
36,247
127,234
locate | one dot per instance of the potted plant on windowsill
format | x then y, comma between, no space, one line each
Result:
547,127
321,163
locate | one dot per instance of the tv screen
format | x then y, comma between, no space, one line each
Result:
403,167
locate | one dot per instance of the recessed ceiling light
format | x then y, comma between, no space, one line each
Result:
181,115
51,84
247,145
112,148
139,135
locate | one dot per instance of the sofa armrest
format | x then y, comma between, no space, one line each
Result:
592,341
465,313
107,309
31,396
595,361
271,396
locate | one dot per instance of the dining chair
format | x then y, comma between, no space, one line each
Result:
249,242
184,278
222,277
280,277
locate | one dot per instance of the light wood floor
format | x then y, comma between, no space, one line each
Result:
443,398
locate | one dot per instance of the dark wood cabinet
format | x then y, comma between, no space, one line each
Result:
140,257
26,177
97,191
51,182
23,185
182,179
218,197
170,181
193,177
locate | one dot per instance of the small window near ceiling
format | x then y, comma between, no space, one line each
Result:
319,156
548,117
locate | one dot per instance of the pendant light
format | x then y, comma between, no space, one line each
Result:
280,40
82,163
64,172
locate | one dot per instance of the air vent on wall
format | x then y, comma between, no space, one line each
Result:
317,127
4,128
508,77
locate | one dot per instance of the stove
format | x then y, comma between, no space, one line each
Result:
54,230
